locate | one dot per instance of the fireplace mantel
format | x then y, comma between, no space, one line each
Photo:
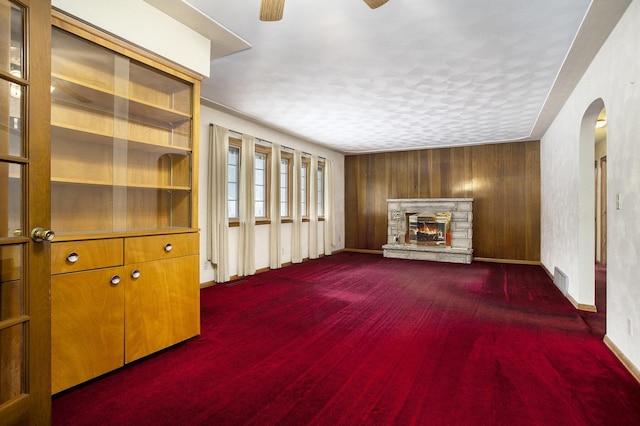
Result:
461,248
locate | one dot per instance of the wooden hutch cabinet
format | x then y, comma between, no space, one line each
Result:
125,276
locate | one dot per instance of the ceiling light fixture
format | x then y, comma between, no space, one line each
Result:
601,123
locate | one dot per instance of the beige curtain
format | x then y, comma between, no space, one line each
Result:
296,253
275,260
328,207
313,208
217,212
247,228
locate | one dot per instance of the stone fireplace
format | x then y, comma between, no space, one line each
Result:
438,229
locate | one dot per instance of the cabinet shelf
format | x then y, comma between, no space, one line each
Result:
85,182
68,132
88,96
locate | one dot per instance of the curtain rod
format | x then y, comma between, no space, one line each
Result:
269,142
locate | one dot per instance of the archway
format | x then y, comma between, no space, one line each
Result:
586,207
601,212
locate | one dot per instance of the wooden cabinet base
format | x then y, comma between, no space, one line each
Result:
104,318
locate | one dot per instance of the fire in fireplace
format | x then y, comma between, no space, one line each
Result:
428,229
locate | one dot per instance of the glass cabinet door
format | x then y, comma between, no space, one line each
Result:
121,142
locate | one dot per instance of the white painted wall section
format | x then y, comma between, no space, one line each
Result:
143,25
614,77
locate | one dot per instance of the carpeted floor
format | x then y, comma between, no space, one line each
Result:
357,339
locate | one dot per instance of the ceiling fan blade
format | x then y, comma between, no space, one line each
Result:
373,4
271,10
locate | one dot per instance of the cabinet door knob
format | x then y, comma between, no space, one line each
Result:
73,257
135,274
115,280
168,247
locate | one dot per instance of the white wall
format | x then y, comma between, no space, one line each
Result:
209,116
142,24
613,77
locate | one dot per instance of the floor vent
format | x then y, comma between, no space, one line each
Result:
561,280
232,283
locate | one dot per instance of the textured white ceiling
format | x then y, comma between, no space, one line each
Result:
410,74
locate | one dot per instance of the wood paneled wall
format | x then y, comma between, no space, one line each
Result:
503,180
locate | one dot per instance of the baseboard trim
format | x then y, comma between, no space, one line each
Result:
574,302
352,250
258,271
478,259
207,284
635,372
510,261
581,306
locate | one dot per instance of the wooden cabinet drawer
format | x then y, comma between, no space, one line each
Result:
73,256
144,249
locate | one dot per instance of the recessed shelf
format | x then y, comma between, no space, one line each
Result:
88,96
70,132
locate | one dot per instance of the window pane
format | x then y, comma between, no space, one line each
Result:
303,190
234,155
259,177
233,191
11,200
260,183
259,193
232,181
260,212
232,173
11,293
11,136
12,368
12,62
233,210
320,192
12,38
284,201
284,187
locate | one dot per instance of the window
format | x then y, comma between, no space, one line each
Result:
233,179
320,189
304,185
261,184
285,187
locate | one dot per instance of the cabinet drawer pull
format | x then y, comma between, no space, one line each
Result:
168,247
73,257
115,280
135,274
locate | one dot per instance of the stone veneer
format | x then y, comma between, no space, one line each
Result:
461,209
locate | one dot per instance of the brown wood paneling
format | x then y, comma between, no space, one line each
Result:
503,180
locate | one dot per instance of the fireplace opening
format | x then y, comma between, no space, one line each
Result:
428,229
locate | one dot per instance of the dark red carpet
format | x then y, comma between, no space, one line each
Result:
357,339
